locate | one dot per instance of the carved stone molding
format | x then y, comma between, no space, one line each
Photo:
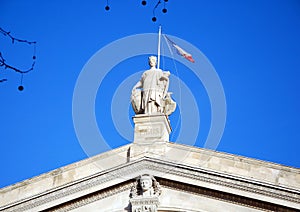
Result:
79,202
223,196
160,167
225,180
144,204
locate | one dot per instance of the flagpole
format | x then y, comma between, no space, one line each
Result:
158,48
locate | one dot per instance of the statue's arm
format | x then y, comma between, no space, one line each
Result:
137,85
165,76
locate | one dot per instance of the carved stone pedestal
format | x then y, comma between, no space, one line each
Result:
151,128
143,204
151,133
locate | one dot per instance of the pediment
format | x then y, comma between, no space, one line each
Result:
184,188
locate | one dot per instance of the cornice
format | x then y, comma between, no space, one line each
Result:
161,169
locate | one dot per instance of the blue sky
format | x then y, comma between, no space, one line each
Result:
253,46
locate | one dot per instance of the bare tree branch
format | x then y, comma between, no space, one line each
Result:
3,62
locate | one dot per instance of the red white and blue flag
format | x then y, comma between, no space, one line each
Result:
180,51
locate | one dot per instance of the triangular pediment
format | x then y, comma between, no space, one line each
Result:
186,185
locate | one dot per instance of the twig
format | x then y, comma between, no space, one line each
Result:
8,66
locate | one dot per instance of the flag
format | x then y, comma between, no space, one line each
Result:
180,51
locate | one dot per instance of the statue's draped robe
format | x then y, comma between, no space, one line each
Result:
153,87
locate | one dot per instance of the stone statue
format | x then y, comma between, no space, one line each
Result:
145,186
150,95
144,194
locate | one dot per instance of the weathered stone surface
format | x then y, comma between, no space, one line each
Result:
62,176
221,172
151,128
146,204
236,165
176,200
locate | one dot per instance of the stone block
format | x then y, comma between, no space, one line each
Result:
151,128
142,204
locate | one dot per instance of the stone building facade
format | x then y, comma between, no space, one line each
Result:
153,174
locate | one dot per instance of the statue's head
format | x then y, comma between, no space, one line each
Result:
152,61
146,182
